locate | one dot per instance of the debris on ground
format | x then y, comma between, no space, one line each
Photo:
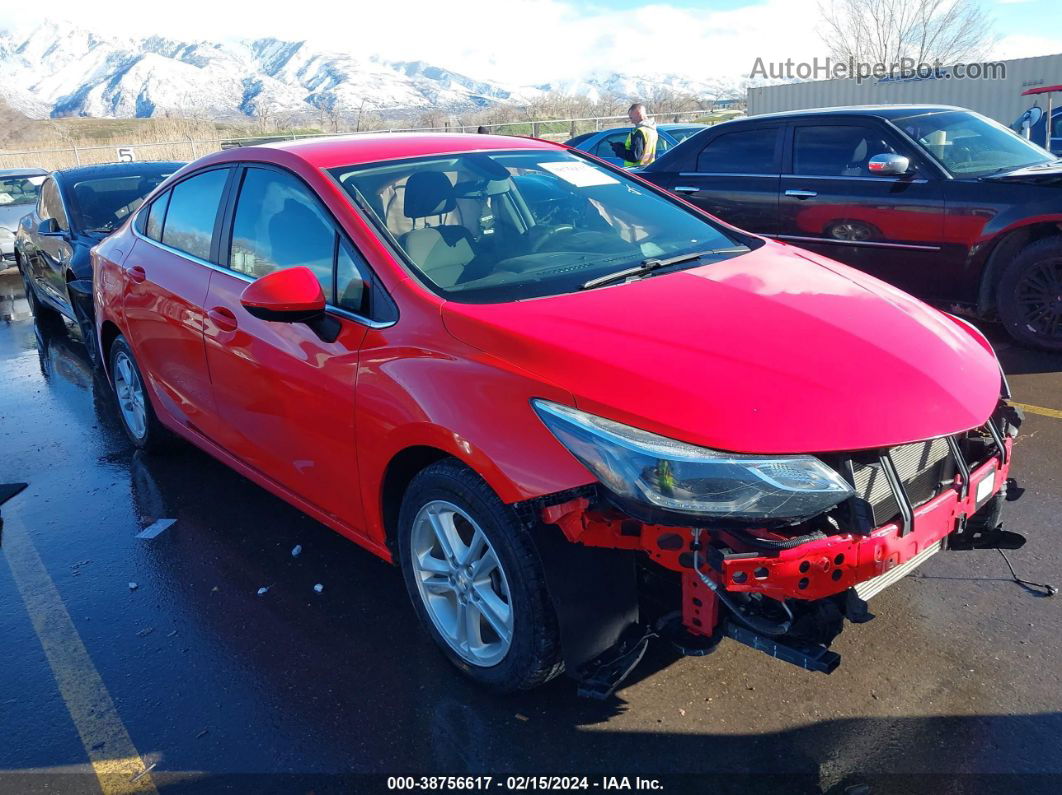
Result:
318,587
171,634
296,550
133,586
202,733
145,632
143,773
156,527
263,590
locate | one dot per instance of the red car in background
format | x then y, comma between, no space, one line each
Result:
576,410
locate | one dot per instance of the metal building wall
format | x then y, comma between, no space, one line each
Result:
997,99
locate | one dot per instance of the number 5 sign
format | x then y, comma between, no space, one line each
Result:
126,154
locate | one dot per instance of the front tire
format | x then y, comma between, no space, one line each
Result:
476,580
138,416
1029,298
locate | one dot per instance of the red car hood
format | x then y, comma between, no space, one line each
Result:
769,352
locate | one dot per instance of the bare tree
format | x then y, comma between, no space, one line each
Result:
888,31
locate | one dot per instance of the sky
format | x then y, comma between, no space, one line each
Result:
524,41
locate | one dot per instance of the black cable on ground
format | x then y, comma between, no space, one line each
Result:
1049,590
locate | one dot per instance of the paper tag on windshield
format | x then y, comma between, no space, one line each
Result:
581,175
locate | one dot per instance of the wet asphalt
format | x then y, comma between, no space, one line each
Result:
957,681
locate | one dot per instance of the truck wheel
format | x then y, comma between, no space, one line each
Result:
476,580
1029,297
141,424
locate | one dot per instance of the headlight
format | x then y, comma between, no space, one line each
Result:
684,478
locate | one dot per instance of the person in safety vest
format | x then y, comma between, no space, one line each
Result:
640,147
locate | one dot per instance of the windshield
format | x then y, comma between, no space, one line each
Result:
101,204
504,226
969,145
20,190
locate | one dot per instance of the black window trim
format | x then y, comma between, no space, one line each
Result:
224,240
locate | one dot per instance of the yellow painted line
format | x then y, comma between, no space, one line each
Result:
108,745
1039,410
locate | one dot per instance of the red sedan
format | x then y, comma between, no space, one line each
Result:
577,411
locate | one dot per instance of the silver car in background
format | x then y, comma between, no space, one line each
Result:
18,193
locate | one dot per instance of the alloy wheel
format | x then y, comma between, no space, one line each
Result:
130,392
1039,298
462,583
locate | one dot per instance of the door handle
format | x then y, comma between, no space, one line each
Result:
684,189
223,318
801,194
137,274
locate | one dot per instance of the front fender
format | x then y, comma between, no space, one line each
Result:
471,406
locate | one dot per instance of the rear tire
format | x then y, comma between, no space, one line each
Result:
133,400
459,599
1029,296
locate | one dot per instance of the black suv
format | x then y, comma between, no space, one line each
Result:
939,201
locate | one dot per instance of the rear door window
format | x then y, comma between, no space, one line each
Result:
604,146
741,152
193,209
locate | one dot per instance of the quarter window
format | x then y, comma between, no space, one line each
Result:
837,150
156,215
741,152
279,224
193,208
352,281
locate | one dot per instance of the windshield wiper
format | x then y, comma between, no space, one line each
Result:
652,264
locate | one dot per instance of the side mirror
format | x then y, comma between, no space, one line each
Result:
49,227
291,295
889,165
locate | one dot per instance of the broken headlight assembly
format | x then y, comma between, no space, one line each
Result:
676,477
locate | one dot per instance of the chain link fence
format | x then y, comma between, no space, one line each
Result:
191,148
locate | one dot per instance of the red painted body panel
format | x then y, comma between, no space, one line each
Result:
285,399
289,290
769,352
163,298
774,351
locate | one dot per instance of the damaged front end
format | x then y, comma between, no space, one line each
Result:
623,570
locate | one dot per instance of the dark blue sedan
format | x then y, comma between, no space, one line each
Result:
600,143
76,209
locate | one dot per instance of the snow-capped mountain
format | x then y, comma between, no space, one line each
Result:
63,70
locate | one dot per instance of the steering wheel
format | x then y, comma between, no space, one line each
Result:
549,234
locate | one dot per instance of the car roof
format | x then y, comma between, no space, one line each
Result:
880,111
362,148
99,170
23,172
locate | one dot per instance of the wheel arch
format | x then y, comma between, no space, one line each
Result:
399,473
109,332
1003,251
